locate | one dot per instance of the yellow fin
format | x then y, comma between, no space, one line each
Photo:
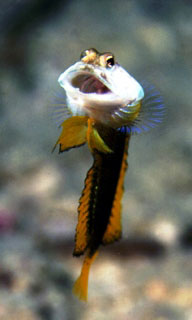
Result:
83,210
114,229
80,288
73,133
94,139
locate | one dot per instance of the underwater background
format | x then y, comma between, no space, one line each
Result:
147,275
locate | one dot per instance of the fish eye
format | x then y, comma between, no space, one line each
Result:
110,61
106,60
88,55
83,54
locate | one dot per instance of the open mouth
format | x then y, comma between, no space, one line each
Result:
89,84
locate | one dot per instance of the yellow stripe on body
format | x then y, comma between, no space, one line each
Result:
81,240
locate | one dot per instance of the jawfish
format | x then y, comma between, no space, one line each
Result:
105,105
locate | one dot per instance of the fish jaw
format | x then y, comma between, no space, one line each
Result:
100,92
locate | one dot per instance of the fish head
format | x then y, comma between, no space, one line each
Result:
98,87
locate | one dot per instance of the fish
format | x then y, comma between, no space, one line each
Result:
105,106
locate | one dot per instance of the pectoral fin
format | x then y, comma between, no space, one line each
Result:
94,139
74,133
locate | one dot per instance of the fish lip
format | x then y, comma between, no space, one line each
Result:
89,83
79,69
103,75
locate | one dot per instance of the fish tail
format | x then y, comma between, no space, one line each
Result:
80,288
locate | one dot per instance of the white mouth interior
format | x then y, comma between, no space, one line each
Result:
87,83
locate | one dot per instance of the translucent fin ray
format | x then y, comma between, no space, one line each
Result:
58,109
151,114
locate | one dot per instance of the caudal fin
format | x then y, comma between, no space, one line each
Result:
80,288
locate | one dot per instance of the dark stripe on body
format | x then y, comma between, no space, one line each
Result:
104,179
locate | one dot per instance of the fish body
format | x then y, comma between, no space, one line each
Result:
104,102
